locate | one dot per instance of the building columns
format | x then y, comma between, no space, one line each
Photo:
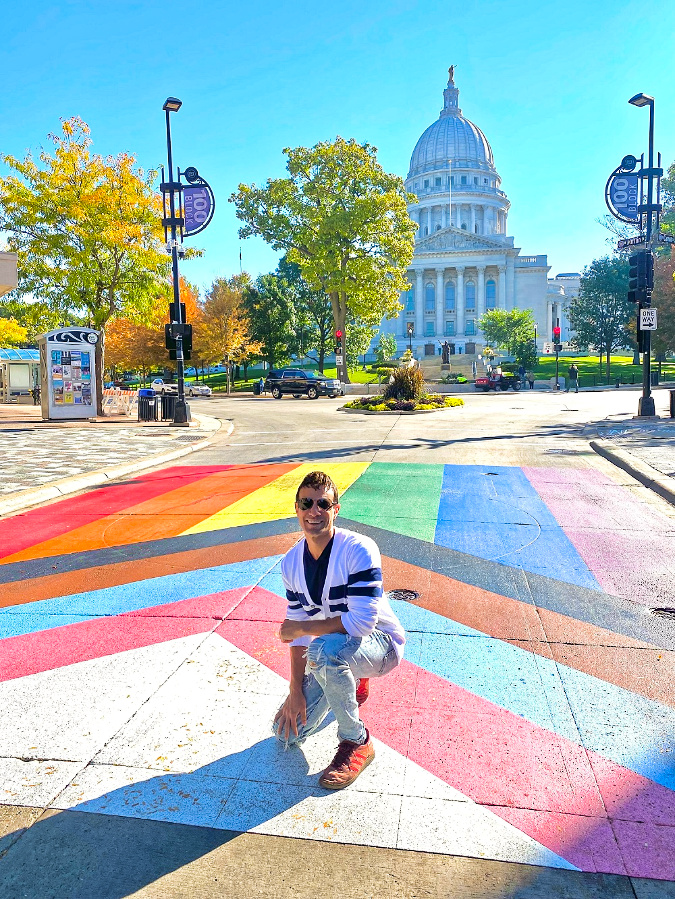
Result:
549,321
440,301
428,219
419,304
480,299
510,283
459,301
473,218
501,288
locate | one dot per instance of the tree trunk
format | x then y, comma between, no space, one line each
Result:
99,350
245,364
339,305
322,353
608,356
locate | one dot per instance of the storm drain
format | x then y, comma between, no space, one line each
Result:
403,595
189,438
663,612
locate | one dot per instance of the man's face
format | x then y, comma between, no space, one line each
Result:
315,521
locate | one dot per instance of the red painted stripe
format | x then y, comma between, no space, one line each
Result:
547,786
37,525
60,646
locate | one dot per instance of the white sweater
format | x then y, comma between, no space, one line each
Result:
353,589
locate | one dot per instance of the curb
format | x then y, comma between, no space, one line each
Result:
645,474
57,489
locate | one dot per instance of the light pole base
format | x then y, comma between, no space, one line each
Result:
646,407
181,414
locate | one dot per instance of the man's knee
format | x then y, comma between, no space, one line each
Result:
325,650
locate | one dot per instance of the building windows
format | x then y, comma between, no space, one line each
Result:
449,329
464,226
475,180
426,230
463,179
429,329
410,300
449,297
437,182
429,298
490,295
476,229
426,182
470,296
485,180
470,327
452,179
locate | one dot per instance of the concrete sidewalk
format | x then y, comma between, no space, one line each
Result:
43,460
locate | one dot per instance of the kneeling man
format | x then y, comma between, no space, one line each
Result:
341,630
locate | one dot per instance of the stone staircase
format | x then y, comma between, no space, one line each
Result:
434,370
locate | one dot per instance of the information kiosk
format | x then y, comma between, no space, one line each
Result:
68,373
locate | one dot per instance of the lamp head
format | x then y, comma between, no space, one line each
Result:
172,104
641,100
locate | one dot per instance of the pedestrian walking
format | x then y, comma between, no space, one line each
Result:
261,385
573,378
530,379
340,628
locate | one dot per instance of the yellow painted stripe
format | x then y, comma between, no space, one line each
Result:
276,500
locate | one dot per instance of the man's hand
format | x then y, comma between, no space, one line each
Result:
287,717
291,630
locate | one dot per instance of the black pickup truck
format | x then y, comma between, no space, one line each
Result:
297,382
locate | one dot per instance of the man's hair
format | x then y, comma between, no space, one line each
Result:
317,480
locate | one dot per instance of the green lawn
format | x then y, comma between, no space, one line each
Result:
591,374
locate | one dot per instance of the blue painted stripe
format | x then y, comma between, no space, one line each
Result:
630,729
24,619
495,513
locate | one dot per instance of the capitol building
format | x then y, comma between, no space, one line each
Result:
465,263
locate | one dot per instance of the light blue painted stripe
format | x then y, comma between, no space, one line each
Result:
495,513
60,610
626,727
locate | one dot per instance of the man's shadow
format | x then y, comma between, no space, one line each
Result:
113,845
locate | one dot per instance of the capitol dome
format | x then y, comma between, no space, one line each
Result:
452,138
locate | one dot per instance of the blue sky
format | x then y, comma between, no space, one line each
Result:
548,83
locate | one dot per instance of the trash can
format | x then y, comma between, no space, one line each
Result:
672,403
168,406
256,388
147,405
655,378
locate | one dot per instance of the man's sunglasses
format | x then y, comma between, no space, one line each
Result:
324,504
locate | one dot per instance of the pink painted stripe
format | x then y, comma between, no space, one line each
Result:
566,794
627,545
37,525
98,637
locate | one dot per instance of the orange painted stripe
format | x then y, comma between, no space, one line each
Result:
160,517
70,582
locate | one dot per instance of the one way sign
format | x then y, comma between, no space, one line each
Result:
648,319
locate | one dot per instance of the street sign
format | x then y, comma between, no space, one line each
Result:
622,197
339,360
547,349
648,319
638,241
197,204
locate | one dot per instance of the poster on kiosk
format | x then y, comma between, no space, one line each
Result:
68,374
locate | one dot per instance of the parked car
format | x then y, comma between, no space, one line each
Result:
296,382
163,387
498,381
195,389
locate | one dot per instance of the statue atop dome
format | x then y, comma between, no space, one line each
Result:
451,76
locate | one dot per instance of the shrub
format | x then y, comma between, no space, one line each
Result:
407,384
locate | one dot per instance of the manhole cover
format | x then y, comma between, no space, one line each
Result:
403,595
664,612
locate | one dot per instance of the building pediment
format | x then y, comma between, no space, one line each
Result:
456,239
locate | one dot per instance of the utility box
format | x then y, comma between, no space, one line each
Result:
68,373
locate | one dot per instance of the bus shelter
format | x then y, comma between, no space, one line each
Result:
19,375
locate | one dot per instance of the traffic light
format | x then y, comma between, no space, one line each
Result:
171,332
556,334
640,276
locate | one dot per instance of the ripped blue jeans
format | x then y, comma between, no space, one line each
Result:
335,663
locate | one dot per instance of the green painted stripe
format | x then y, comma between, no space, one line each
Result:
398,497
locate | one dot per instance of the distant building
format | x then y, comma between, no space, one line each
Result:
464,262
8,278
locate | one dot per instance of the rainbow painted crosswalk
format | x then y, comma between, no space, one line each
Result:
532,719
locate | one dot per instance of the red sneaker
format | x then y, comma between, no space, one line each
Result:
362,690
350,760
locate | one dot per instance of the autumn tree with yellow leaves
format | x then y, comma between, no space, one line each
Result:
87,230
226,333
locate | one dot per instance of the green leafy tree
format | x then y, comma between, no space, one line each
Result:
344,221
663,298
312,313
668,200
358,337
512,331
386,347
601,315
87,230
268,303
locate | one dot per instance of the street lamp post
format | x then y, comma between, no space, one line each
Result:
646,403
181,416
